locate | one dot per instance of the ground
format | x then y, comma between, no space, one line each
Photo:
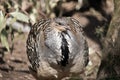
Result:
15,66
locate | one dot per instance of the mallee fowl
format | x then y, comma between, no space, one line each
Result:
57,48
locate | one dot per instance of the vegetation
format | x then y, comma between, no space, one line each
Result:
17,16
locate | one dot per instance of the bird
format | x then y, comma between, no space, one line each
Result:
57,48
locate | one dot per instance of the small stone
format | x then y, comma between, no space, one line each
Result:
1,75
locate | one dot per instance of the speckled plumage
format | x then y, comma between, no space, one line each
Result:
56,48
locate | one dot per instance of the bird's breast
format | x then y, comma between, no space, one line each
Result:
62,46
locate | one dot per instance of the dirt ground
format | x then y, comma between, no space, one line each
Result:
15,66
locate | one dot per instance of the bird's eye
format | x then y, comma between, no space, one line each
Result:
60,24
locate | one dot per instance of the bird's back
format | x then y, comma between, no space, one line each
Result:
57,47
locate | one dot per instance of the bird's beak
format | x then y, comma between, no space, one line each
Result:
61,28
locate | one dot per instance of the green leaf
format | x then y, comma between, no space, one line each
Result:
20,16
4,40
2,21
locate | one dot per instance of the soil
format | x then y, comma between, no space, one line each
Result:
15,64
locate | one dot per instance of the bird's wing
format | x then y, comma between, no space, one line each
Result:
83,47
33,45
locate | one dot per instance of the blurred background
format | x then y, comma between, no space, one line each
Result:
18,16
